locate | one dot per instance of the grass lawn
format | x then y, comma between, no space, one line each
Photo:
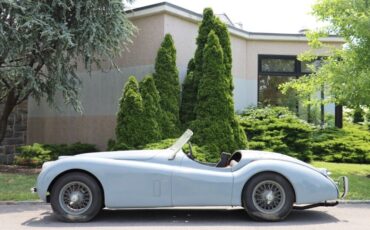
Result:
16,187
358,175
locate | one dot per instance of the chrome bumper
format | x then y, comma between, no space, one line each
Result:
342,183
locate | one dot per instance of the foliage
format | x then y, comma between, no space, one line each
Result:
130,128
167,82
358,115
350,144
209,22
152,110
189,96
37,154
345,73
41,43
215,119
277,129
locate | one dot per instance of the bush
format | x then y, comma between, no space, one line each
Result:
130,128
216,126
277,129
36,154
168,85
350,144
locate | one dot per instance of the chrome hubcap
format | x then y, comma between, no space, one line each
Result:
268,197
75,197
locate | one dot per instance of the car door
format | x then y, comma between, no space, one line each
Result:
196,184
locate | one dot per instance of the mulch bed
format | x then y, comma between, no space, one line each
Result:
19,169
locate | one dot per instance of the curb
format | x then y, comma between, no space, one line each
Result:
40,202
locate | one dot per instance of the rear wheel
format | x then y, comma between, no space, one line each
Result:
268,196
76,197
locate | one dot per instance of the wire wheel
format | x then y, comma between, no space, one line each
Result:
268,197
75,198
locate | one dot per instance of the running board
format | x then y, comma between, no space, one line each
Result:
324,204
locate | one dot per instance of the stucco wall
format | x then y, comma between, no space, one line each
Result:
100,94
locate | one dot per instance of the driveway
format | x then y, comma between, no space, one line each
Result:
39,216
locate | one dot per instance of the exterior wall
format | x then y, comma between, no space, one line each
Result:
101,91
184,34
100,94
16,133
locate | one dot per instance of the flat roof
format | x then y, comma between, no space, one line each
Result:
175,10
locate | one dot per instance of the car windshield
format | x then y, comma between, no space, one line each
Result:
185,137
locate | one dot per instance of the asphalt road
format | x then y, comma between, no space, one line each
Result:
39,216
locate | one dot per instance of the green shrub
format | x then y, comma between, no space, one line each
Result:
36,154
277,129
216,126
152,110
130,128
350,144
189,96
167,83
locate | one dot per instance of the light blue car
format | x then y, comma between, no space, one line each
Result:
268,185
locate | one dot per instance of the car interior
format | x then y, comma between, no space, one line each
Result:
226,160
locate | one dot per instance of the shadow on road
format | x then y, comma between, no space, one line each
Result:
176,217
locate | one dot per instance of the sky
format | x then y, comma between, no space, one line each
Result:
275,16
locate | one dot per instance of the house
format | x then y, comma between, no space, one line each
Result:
261,61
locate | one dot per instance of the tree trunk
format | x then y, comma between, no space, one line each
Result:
10,103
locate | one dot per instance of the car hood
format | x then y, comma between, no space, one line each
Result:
137,155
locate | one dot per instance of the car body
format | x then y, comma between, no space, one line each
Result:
170,178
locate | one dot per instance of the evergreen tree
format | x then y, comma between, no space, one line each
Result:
215,119
167,82
189,96
152,110
210,22
130,125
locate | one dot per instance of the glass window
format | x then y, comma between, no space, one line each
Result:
269,93
278,65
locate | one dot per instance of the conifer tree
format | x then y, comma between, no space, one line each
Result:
214,110
167,83
130,125
152,110
189,96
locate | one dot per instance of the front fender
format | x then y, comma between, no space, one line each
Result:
53,169
310,186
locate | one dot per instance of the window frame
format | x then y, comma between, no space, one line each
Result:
297,65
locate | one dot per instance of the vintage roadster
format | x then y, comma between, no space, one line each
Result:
268,185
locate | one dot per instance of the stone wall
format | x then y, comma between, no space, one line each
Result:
16,134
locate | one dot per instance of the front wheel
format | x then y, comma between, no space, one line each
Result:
268,196
76,197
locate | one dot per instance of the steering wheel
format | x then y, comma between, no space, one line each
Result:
190,154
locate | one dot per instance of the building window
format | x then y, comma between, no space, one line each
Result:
273,70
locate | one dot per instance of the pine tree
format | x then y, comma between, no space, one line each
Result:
189,96
152,110
130,125
167,83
